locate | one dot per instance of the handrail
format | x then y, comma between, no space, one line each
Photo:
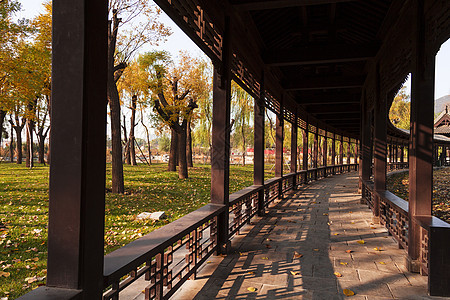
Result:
394,214
155,250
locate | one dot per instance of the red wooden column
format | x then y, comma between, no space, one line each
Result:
305,147
402,153
220,158
294,131
349,152
258,158
421,138
279,149
279,135
315,153
341,152
333,153
324,155
77,169
305,152
380,145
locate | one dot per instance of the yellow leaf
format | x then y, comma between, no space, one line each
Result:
336,234
316,249
382,263
295,273
251,289
208,262
265,257
361,242
337,274
377,249
251,272
325,214
297,255
344,263
372,227
348,292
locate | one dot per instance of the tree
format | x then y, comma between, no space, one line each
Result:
10,34
121,48
401,109
242,114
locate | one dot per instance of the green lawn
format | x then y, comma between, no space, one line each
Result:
399,185
24,208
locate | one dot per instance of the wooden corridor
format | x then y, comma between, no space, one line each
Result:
325,223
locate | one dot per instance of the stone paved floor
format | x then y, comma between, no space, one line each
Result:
325,224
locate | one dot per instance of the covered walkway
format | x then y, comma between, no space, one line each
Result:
294,251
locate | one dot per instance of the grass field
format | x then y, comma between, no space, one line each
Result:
399,185
24,213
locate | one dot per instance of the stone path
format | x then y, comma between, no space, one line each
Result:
294,251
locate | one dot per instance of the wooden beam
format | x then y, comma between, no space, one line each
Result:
331,109
327,98
312,55
330,82
274,4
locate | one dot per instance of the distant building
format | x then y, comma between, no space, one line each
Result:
442,123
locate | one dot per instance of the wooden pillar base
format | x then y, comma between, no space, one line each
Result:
376,219
412,265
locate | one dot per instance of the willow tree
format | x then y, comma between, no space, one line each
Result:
134,33
242,114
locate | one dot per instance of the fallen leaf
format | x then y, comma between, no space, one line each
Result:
337,274
297,255
251,289
4,274
336,234
350,212
373,227
377,249
316,249
344,263
251,272
325,214
208,262
265,257
349,251
348,292
295,273
268,246
382,263
361,242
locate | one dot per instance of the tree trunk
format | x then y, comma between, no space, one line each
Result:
127,143
148,140
189,146
132,125
2,120
41,150
173,157
18,130
11,145
182,161
114,106
29,145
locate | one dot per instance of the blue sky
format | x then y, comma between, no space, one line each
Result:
179,41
